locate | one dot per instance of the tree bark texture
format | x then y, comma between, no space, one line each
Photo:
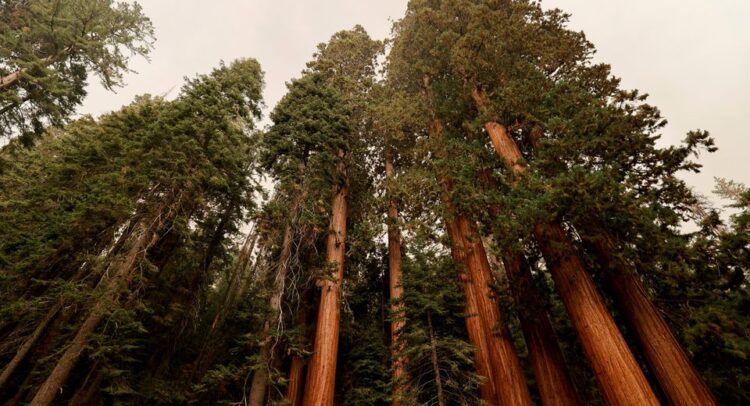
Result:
321,376
395,285
496,357
676,374
545,356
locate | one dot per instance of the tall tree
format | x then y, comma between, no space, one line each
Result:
212,115
347,65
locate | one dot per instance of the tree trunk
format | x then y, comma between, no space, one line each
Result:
11,79
434,360
496,357
89,388
124,273
395,285
296,384
618,374
260,377
28,345
321,375
545,356
676,374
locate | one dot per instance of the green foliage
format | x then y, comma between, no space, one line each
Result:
53,46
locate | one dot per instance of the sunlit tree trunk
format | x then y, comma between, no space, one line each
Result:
321,376
545,356
618,374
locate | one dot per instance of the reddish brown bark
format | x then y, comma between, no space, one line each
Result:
495,356
396,289
321,375
296,381
618,374
676,374
296,384
545,356
124,272
495,347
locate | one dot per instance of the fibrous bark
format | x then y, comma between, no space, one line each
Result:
676,374
321,376
545,356
395,286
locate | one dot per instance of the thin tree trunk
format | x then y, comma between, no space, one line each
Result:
24,350
321,375
11,79
28,344
296,371
676,374
257,394
395,285
618,374
234,285
85,393
546,359
434,360
124,273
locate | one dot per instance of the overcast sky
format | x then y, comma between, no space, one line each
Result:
691,56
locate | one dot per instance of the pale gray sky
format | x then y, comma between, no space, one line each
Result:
691,56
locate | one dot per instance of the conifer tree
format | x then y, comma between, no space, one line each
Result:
51,47
164,186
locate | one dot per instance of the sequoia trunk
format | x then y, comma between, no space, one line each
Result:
395,284
495,356
321,376
545,356
676,374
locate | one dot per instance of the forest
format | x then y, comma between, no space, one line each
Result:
472,211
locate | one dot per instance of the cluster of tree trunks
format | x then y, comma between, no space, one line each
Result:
618,374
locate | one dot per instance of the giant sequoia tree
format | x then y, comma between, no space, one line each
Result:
481,217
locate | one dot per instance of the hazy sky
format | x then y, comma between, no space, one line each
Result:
691,56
